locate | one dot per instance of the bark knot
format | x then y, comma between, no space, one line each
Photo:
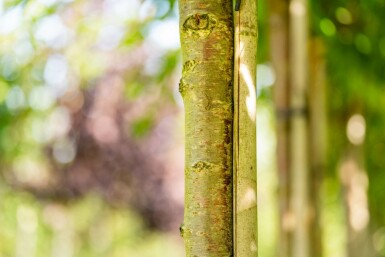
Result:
181,230
199,25
183,87
202,166
189,67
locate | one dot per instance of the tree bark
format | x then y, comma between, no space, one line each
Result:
245,171
206,29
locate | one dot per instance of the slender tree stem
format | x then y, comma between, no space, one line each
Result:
206,29
245,176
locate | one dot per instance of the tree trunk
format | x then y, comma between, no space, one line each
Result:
245,173
206,29
279,45
298,31
318,139
300,234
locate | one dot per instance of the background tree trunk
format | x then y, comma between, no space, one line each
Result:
318,139
245,173
289,34
279,52
206,28
298,32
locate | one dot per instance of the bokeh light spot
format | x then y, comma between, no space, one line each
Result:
327,27
356,129
15,99
344,16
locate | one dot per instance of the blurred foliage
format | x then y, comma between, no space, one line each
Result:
354,38
87,128
354,43
81,228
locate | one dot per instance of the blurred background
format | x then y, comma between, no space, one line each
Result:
91,128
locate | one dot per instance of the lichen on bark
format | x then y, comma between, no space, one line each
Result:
206,29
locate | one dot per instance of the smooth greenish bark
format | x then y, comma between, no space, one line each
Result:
245,176
206,29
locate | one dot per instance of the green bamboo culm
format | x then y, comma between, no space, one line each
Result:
206,30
